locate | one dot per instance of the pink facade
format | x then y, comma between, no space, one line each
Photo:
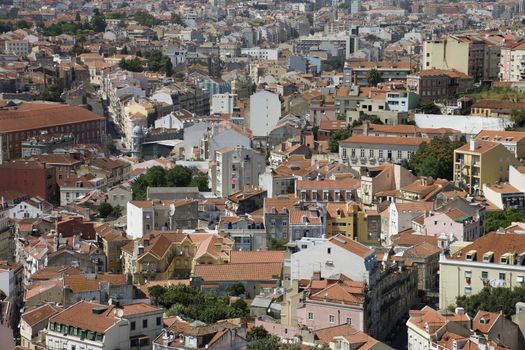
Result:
465,230
505,64
319,314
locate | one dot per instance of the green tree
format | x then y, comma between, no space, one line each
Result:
77,17
52,93
435,158
23,24
157,62
270,343
236,289
132,65
104,210
501,219
157,176
124,50
155,293
146,19
257,333
200,181
517,116
178,177
177,19
274,244
77,50
373,77
492,300
98,22
430,108
335,137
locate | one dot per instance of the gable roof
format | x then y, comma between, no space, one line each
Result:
351,246
240,272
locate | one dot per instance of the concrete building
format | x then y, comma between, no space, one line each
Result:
475,165
265,112
223,103
495,260
261,53
147,216
234,169
361,150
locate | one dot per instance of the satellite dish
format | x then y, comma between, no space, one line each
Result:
172,209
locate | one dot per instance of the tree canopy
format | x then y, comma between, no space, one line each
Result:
335,137
133,64
496,219
145,18
492,300
52,93
200,181
157,176
157,62
190,303
435,158
373,77
430,108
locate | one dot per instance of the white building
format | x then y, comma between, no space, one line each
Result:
400,216
261,54
169,121
18,47
31,208
235,168
336,255
223,103
93,326
265,112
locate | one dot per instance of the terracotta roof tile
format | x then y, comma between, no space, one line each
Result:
240,272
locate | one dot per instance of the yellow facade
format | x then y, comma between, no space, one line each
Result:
346,219
473,169
449,53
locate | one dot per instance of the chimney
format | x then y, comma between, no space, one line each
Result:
366,127
459,311
474,144
316,276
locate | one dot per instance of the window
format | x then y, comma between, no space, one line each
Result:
468,290
484,275
502,276
329,250
159,321
310,315
331,318
349,321
132,325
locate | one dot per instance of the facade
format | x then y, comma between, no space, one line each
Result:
223,103
30,177
234,169
512,66
495,260
148,216
474,165
34,118
439,84
261,53
356,72
265,112
375,150
327,190
347,219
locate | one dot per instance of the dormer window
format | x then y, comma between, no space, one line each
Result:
507,259
487,257
471,255
483,320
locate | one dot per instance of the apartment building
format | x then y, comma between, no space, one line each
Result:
327,190
265,112
348,219
19,122
495,259
87,325
261,53
514,141
512,63
148,216
467,54
439,84
367,151
356,72
235,168
481,162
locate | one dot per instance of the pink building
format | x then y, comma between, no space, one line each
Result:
454,223
332,303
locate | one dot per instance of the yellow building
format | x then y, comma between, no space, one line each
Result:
159,256
112,241
495,260
347,219
481,162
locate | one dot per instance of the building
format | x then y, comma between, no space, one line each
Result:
265,112
34,207
223,103
30,177
261,53
235,168
46,143
439,84
27,119
33,322
148,216
495,259
512,66
347,219
361,150
514,141
474,165
18,47
327,190
356,72
99,327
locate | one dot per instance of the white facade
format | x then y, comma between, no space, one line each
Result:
261,54
467,124
223,103
7,282
18,47
331,259
234,169
169,121
30,209
265,112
